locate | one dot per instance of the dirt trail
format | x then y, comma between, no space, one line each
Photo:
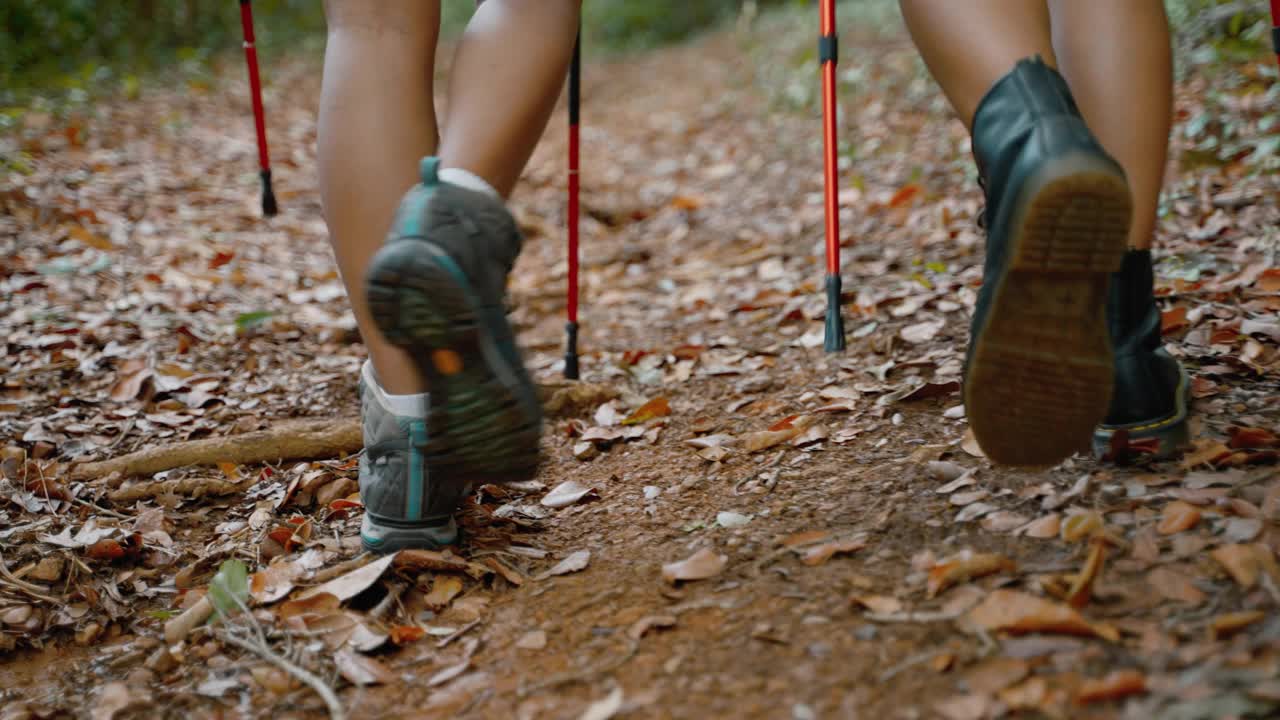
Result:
858,531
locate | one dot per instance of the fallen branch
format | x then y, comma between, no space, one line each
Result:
285,441
292,440
190,487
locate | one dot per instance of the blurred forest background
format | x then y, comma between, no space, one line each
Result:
88,44
58,55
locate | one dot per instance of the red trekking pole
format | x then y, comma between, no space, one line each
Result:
264,161
828,51
1275,28
571,327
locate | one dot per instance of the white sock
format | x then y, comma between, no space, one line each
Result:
414,405
467,179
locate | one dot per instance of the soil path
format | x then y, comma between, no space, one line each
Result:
873,565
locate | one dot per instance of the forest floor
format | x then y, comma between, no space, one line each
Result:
846,552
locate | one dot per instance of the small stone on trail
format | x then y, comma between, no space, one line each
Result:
536,640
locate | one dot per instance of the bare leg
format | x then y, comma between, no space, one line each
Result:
969,45
508,72
1117,59
376,121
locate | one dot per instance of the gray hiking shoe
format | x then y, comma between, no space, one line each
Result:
436,289
405,507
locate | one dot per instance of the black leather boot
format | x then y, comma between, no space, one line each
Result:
1149,404
1039,368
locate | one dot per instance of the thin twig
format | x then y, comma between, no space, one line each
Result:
33,590
458,633
329,573
394,591
913,617
325,692
99,508
910,662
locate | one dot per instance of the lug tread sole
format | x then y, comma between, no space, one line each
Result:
1040,378
477,427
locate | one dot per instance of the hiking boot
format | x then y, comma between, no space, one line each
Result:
1038,373
404,506
437,290
1151,389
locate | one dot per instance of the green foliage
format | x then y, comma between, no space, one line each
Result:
86,44
229,589
630,24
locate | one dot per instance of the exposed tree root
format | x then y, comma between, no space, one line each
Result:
293,440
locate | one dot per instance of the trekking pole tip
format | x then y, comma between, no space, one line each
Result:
571,351
834,340
269,207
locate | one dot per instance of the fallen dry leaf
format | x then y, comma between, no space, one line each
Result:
452,671
1177,517
964,707
345,587
878,604
1173,585
606,708
963,480
644,625
1003,521
444,588
1119,684
1019,612
1224,626
1044,527
567,493
405,634
1205,452
765,439
312,604
807,537
655,408
701,565
966,567
1078,595
922,332
533,640
1240,562
1029,695
274,581
991,676
824,552
1252,438
362,670
574,562
1080,526
113,699
437,561
970,444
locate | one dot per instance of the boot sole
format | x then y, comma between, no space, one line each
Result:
1041,374
481,425
382,537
